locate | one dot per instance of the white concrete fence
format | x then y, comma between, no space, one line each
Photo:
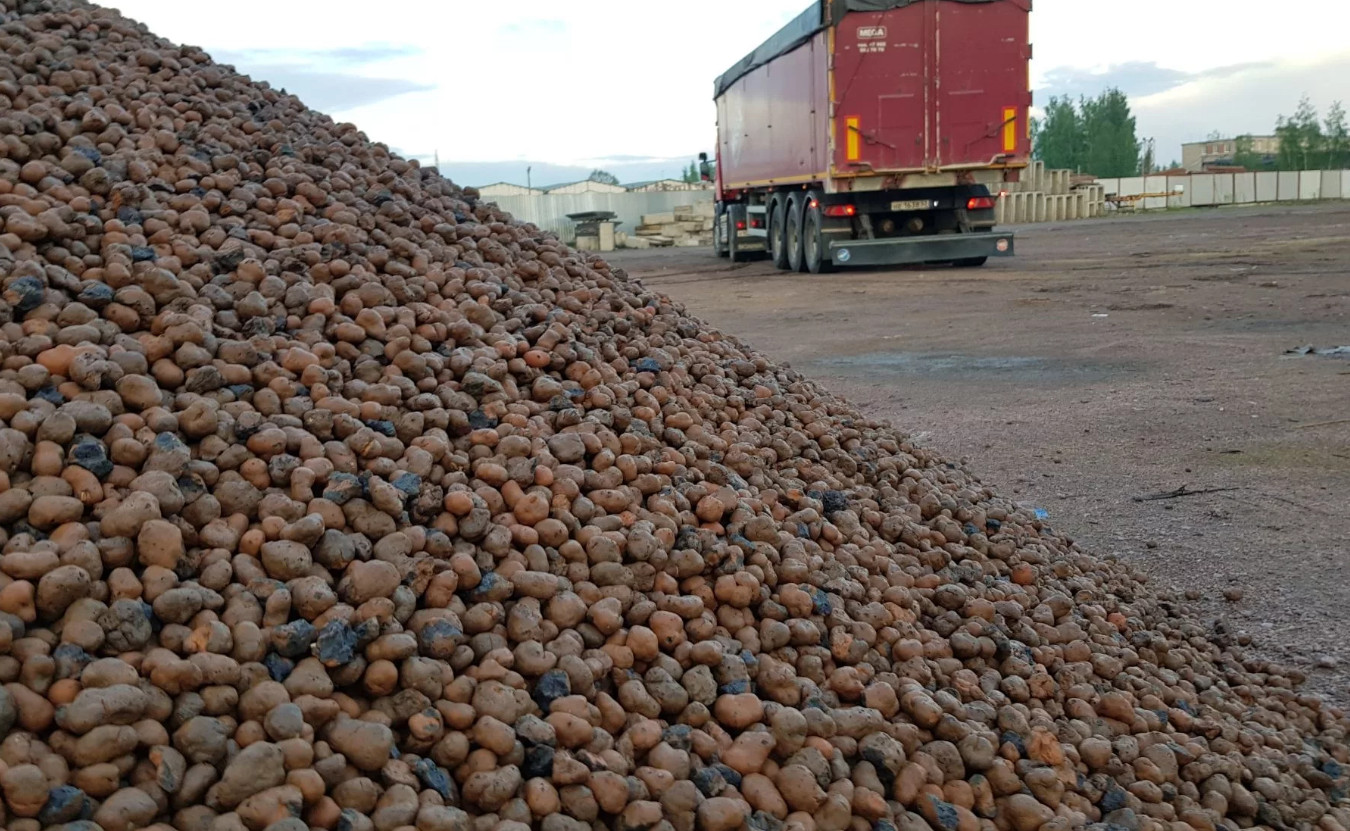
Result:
1041,196
1206,190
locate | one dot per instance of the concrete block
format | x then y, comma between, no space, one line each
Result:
1071,205
1039,207
1310,185
1331,185
1288,189
658,219
1267,186
588,243
606,239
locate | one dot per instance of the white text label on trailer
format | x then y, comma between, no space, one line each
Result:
871,32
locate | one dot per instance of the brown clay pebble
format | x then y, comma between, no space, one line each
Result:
333,497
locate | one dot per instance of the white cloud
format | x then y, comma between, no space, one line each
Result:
590,80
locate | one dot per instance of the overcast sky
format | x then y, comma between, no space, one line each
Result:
627,85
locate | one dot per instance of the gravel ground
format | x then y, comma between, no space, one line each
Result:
1110,361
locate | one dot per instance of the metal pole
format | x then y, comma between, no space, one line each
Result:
528,183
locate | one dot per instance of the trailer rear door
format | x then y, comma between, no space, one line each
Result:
981,107
930,84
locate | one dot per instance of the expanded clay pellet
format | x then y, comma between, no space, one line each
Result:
333,498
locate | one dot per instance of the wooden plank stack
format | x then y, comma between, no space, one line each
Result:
685,226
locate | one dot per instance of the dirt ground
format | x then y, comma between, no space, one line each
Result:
1111,360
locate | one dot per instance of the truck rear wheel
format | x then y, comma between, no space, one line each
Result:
792,235
814,256
777,240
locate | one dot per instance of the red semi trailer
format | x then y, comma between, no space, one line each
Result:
875,132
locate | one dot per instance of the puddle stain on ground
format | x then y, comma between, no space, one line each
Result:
1014,368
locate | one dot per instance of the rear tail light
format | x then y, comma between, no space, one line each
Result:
740,225
841,210
979,203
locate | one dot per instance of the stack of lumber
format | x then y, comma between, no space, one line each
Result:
684,226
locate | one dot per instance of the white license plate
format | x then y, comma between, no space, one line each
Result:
911,205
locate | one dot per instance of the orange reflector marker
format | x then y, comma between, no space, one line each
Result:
1009,129
840,210
852,142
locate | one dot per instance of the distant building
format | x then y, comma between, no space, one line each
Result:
666,185
507,189
584,186
1199,156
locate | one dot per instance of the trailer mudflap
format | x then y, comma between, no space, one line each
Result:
924,249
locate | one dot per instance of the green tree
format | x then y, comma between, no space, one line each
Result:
1148,161
691,174
1301,139
1059,140
1245,156
1112,143
1337,138
604,177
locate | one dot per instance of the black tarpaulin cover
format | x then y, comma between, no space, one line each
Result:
818,16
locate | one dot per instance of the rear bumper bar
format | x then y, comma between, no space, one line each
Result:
939,248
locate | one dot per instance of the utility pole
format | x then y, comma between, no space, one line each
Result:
528,183
437,154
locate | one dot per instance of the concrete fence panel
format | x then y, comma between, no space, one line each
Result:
1288,190
1345,184
1111,186
1202,190
1267,186
1224,188
1155,184
1132,186
1244,188
1310,185
1331,185
1179,192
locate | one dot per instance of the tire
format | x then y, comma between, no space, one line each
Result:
777,224
719,245
972,262
792,235
814,257
732,236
